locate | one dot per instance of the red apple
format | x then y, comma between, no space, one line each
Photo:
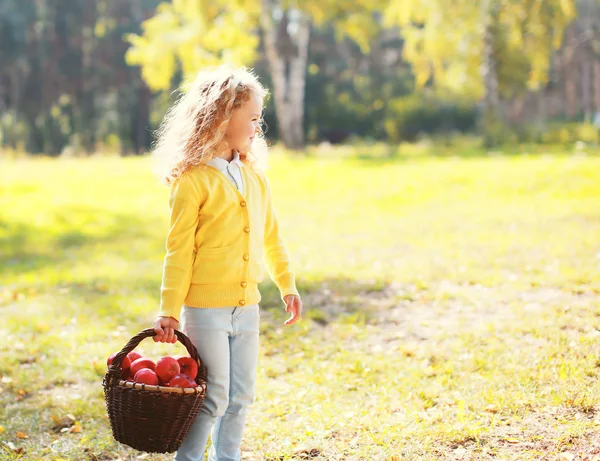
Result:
188,367
166,368
125,364
180,380
133,356
147,376
138,364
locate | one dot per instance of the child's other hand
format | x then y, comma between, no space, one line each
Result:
165,330
293,304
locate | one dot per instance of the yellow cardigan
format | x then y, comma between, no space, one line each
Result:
218,240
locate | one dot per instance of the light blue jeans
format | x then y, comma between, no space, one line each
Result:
227,341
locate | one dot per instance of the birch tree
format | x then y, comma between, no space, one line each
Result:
194,33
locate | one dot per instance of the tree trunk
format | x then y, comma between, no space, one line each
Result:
570,91
586,83
287,55
597,86
86,99
141,115
142,119
588,58
491,99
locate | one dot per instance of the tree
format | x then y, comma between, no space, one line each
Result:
485,48
187,34
286,47
63,79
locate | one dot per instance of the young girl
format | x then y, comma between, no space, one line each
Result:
210,149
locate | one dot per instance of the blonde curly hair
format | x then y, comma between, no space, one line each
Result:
193,129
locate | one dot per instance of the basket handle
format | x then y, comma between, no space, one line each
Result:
114,369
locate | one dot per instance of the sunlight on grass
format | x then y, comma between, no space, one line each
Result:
450,304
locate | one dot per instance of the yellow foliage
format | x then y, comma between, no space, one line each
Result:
197,33
452,44
100,29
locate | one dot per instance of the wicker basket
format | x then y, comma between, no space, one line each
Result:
153,419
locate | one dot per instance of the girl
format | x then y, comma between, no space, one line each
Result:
210,149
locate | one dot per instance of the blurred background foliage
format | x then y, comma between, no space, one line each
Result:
79,77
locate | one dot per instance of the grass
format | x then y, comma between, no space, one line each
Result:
451,306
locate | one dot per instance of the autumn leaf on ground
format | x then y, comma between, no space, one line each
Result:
566,456
11,446
21,394
62,424
76,428
22,435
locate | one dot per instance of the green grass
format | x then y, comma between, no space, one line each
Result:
451,305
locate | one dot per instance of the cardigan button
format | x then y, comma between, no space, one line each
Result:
246,257
246,229
243,284
243,203
242,302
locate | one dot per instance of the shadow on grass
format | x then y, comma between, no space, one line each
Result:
133,301
79,232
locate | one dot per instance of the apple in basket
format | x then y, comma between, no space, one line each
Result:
125,364
188,367
133,356
181,380
166,369
147,376
138,364
126,374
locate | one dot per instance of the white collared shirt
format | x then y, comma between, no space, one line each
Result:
230,169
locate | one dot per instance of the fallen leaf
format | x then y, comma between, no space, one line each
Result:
491,408
61,424
308,453
76,428
566,456
11,446
512,440
21,394
22,435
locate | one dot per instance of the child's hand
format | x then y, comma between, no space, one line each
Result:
293,304
164,327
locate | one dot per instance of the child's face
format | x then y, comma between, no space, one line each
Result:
244,124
